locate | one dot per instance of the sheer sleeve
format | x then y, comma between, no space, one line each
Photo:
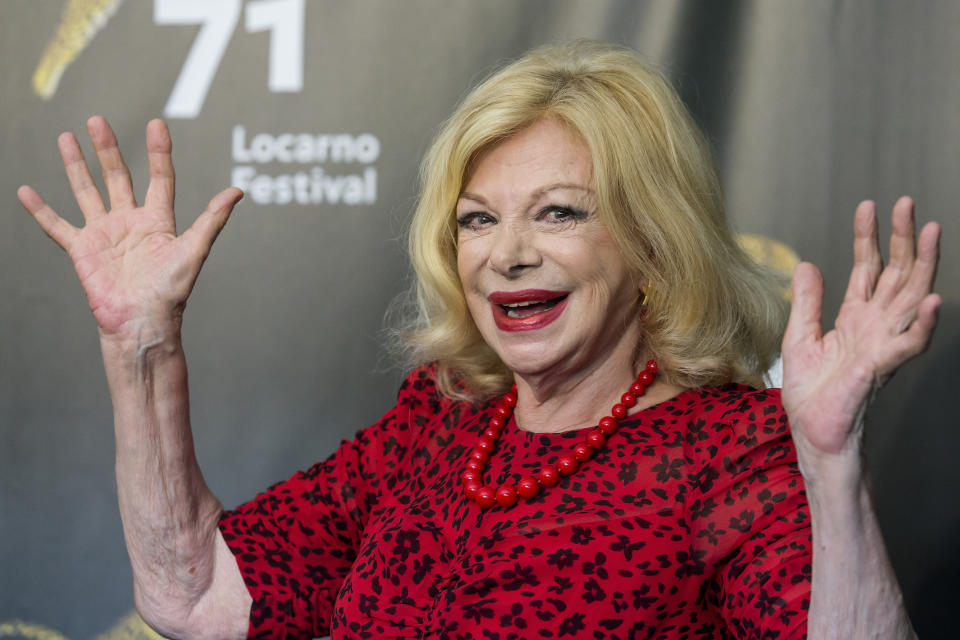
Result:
759,528
295,542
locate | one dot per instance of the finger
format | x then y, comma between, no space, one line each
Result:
115,174
915,339
903,240
807,307
59,230
902,248
81,183
924,271
208,224
160,191
928,256
867,263
927,315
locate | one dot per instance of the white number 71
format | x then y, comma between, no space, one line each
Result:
284,19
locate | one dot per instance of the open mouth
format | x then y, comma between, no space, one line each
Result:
527,310
530,307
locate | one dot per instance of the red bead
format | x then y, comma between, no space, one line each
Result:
607,425
549,476
567,465
485,497
528,487
596,439
470,490
507,495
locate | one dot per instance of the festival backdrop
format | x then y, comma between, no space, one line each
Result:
321,110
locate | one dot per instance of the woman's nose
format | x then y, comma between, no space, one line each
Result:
514,251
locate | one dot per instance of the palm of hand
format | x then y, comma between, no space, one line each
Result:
887,317
127,263
130,262
827,403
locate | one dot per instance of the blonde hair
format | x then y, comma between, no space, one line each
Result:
713,315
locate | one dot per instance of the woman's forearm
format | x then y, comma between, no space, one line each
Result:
855,593
169,514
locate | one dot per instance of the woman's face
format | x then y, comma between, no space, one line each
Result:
544,280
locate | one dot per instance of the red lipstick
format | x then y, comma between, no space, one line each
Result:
526,310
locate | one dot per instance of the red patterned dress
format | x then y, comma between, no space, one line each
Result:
691,523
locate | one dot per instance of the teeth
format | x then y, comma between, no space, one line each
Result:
516,305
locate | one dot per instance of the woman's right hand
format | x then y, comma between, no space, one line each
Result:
137,273
134,268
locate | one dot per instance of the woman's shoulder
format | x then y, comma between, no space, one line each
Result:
420,387
735,403
723,420
754,425
420,392
421,380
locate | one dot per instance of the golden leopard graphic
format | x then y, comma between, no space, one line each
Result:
80,22
27,631
129,628
772,254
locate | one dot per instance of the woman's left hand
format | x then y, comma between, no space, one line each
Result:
887,317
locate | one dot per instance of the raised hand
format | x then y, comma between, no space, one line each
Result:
130,261
888,316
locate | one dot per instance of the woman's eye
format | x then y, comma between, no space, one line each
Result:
475,220
562,214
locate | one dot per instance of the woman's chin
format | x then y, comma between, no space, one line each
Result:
534,363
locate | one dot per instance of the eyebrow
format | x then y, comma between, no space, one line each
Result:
536,195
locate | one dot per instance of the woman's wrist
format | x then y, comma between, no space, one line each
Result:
142,340
842,468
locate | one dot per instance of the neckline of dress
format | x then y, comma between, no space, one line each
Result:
629,421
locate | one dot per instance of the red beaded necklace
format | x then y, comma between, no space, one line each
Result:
528,487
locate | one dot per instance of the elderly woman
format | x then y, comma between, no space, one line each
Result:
580,450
